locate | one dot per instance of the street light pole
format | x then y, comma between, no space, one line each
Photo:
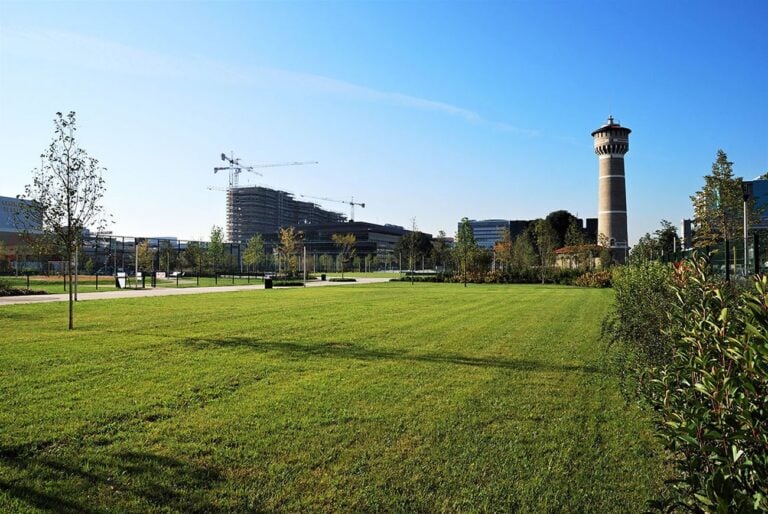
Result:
745,193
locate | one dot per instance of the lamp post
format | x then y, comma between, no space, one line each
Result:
746,195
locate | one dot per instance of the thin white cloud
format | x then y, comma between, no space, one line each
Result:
107,56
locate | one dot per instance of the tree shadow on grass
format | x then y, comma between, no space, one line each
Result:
297,350
104,482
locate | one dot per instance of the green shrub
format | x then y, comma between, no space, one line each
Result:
596,279
644,298
713,396
287,283
437,277
6,289
339,279
699,349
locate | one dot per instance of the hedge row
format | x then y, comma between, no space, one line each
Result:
696,351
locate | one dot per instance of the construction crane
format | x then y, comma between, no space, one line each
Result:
351,204
235,167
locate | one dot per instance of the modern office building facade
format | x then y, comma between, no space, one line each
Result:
488,232
371,238
756,192
18,227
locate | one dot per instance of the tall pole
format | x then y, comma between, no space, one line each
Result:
76,268
136,265
746,269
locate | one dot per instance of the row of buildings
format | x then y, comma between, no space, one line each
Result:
251,211
488,232
255,210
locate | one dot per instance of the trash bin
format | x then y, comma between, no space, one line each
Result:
322,276
267,283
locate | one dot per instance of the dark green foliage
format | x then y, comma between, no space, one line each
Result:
699,349
560,221
640,315
713,397
288,283
441,251
668,239
7,289
339,279
435,277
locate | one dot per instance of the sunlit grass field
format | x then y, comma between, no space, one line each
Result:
387,397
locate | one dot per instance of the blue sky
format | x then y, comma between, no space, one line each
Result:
426,110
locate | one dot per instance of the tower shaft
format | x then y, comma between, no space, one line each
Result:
611,143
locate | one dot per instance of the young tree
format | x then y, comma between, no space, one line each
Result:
192,256
466,247
441,250
718,205
505,249
370,262
253,255
546,242
43,246
646,249
559,221
574,236
667,239
216,248
605,254
166,256
66,193
146,256
346,245
326,262
88,266
289,249
523,254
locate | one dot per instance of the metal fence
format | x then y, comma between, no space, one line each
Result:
109,255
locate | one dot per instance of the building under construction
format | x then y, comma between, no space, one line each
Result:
261,210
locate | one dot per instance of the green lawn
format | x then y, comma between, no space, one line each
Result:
388,397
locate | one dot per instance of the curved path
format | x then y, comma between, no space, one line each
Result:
162,291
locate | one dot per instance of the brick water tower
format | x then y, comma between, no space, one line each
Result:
611,143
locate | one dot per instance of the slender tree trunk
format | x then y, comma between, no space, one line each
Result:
71,299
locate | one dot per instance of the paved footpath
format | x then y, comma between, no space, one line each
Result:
163,291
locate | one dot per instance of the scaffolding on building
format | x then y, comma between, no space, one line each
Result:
261,210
